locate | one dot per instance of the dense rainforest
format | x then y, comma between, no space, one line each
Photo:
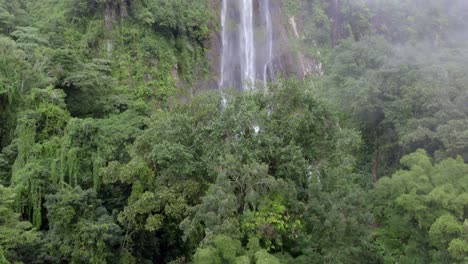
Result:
115,148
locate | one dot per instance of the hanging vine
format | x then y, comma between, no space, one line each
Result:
35,171
26,172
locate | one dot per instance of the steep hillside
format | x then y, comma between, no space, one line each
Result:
234,131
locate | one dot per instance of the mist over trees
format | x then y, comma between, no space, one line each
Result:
108,156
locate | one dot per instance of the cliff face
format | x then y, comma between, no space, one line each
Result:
278,41
289,39
303,35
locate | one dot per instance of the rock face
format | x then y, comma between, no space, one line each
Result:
307,66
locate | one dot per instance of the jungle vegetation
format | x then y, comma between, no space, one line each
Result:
107,156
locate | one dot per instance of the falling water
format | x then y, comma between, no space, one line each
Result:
247,45
246,54
269,39
223,42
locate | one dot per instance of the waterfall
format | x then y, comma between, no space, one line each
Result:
246,55
247,45
224,50
267,68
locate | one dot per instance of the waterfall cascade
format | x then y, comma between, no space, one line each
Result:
247,43
268,66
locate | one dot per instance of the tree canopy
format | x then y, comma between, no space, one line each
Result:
114,149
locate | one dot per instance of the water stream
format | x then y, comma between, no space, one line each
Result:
247,47
247,44
268,68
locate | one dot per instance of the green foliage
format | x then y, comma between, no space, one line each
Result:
80,228
323,24
270,223
271,181
14,233
88,144
401,21
223,249
16,78
108,157
327,23
401,104
85,84
37,142
458,249
180,17
12,14
156,66
424,206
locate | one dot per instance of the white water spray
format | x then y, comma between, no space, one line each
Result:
267,68
246,56
247,46
224,50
